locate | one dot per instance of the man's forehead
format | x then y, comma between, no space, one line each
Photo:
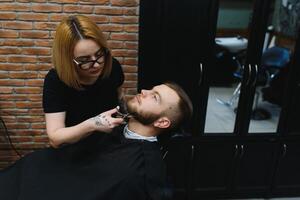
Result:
165,92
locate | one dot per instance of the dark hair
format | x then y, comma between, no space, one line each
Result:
184,110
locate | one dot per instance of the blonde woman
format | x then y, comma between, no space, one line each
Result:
85,81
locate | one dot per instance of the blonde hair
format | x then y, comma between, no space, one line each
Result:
68,33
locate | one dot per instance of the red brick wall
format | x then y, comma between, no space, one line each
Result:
26,32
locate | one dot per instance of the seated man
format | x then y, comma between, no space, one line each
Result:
125,164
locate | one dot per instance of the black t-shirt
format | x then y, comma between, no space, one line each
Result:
80,105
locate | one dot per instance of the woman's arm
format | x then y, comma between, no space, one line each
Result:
59,134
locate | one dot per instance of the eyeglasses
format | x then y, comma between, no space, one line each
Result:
87,64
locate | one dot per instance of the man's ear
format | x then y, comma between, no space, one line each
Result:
162,122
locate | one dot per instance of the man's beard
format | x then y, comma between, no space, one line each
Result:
142,117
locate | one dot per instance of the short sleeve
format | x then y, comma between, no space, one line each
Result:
117,75
53,95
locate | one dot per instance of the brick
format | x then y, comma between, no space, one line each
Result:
23,75
6,104
132,53
36,111
126,3
27,133
9,33
108,11
6,90
63,1
14,7
78,9
36,51
123,36
14,111
123,20
37,67
30,119
22,59
17,25
28,104
28,90
131,91
94,2
13,42
131,28
3,59
131,77
119,52
129,69
131,45
130,11
8,16
43,43
9,50
35,34
57,17
132,84
11,67
32,17
99,19
115,44
35,97
14,97
44,139
49,8
42,74
36,82
21,139
32,1
45,25
124,52
111,27
130,61
4,75
44,59
11,82
17,125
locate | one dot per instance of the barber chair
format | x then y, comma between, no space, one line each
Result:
273,60
236,47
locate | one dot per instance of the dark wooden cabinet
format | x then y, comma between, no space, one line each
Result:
176,40
213,167
178,159
287,176
255,167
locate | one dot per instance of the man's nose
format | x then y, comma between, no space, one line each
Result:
144,92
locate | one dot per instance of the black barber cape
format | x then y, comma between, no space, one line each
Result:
102,166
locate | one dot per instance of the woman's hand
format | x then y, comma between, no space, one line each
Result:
105,122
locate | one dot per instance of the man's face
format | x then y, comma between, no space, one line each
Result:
150,105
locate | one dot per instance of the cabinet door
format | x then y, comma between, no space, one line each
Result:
287,178
178,162
176,41
213,166
255,168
